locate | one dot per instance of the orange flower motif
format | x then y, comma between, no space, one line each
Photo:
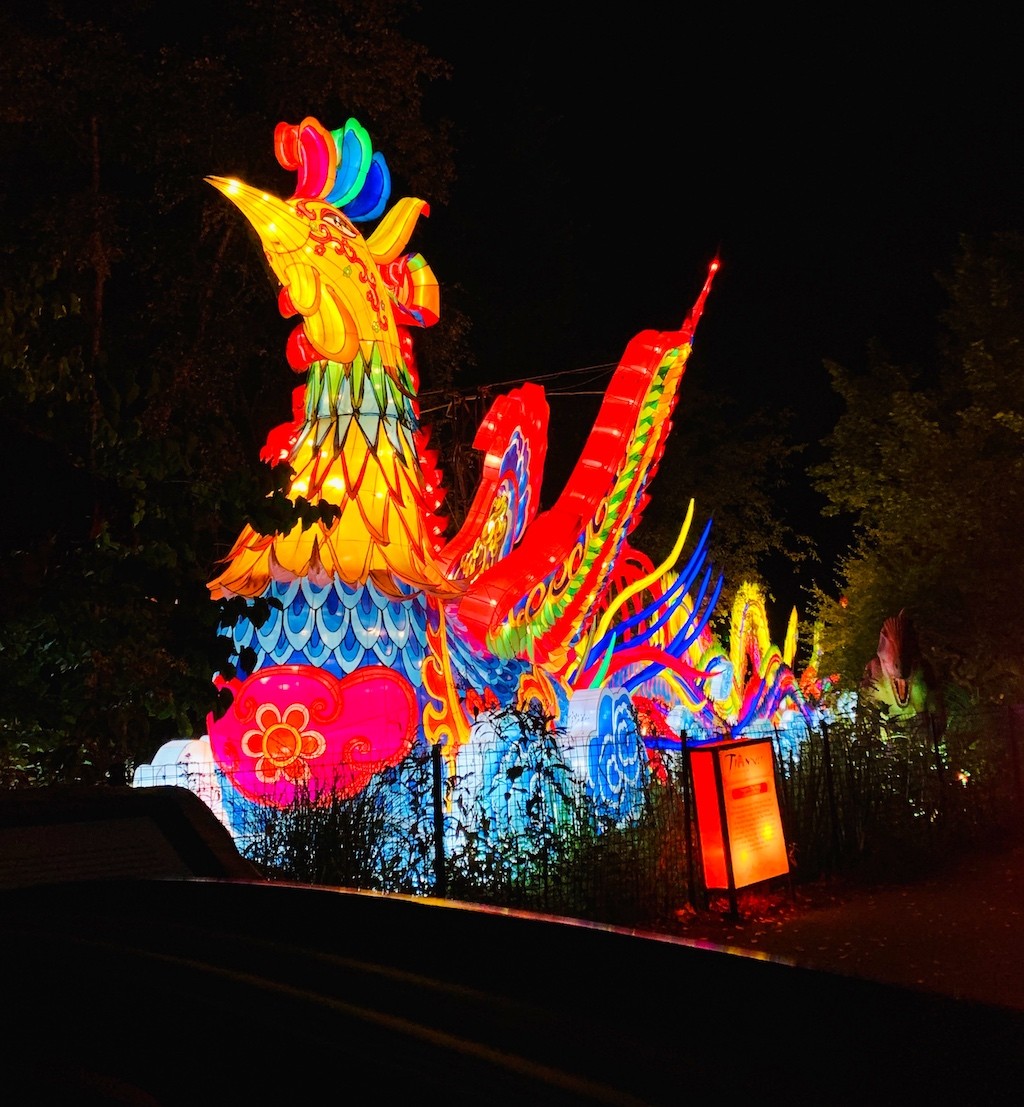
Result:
296,731
282,745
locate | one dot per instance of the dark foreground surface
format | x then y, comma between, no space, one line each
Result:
197,988
185,992
957,928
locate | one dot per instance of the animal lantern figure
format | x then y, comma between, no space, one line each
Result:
898,679
382,634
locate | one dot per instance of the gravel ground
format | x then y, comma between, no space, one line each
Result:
959,932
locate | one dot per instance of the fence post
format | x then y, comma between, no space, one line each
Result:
781,783
691,868
440,877
830,790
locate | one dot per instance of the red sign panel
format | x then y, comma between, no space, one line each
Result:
738,810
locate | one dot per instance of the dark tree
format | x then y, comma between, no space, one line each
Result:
733,468
929,463
143,357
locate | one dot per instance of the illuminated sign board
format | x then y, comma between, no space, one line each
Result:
738,817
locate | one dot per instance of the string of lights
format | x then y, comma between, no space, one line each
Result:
485,391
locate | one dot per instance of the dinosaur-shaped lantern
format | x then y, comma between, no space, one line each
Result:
899,680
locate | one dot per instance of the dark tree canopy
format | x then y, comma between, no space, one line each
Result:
929,464
142,353
732,468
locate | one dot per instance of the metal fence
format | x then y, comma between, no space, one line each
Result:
531,828
861,794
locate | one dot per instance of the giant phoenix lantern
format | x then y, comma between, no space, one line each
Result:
385,636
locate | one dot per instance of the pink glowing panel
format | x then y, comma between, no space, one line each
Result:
294,731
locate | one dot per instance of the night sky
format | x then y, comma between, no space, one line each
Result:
597,178
831,166
605,159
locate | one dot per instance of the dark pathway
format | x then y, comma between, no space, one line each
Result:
960,932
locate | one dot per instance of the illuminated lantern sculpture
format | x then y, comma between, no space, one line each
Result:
899,681
383,636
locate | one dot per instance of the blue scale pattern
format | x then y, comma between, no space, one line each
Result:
338,628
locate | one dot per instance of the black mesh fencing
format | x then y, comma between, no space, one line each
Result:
533,821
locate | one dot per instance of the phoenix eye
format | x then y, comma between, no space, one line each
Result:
335,219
